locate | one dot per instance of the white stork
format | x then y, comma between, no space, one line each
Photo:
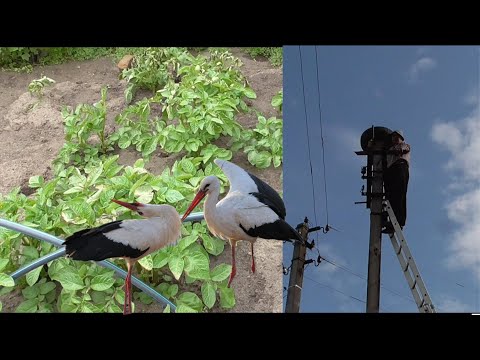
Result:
129,239
252,209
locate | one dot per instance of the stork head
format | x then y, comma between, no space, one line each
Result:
208,185
142,209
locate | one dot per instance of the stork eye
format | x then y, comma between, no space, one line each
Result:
206,187
140,213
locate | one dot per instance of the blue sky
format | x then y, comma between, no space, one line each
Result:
429,92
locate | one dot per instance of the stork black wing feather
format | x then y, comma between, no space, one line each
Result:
278,230
267,195
92,244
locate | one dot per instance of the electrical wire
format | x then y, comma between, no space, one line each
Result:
308,136
321,135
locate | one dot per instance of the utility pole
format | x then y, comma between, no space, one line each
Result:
375,246
295,284
373,143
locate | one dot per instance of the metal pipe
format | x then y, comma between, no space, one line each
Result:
37,263
61,252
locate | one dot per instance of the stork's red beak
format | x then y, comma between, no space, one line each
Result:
200,195
132,206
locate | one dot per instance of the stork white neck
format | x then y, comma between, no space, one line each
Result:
213,192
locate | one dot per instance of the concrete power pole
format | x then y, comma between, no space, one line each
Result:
295,284
373,145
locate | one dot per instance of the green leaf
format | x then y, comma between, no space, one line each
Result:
146,262
31,292
167,309
277,100
191,300
208,294
137,184
44,307
188,166
182,308
176,265
197,265
70,281
28,306
172,290
88,307
36,181
6,280
163,289
144,194
144,298
160,259
210,128
249,93
221,272
277,161
260,159
124,142
187,241
94,175
3,264
189,280
33,275
174,196
150,146
227,298
120,296
213,245
102,282
1,306
194,181
30,251
56,266
218,121
140,163
95,196
47,287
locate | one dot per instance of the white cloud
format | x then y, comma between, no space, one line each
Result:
421,65
447,303
345,141
462,140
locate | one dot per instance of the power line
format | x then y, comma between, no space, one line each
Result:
308,137
363,277
336,290
321,134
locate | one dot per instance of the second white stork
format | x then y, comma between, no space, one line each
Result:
129,239
252,209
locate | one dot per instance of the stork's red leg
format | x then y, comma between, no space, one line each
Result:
234,267
253,259
127,307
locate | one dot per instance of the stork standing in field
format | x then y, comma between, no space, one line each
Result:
252,209
129,239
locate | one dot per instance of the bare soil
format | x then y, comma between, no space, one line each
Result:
31,134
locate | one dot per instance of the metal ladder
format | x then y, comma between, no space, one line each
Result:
409,268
